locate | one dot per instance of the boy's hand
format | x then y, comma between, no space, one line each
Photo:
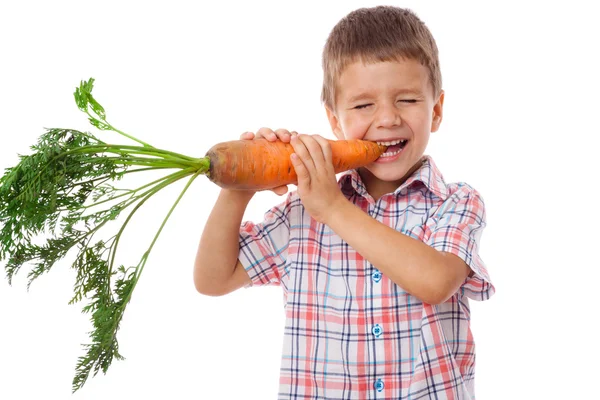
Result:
317,186
280,134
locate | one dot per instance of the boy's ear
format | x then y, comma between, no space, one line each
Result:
438,113
334,122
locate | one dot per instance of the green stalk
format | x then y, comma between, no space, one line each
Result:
132,149
141,161
146,195
139,272
144,258
127,193
112,128
105,178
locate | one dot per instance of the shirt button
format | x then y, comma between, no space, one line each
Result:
379,385
376,276
377,330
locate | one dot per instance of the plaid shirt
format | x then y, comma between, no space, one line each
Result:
352,333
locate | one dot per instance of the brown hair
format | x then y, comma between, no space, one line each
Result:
382,33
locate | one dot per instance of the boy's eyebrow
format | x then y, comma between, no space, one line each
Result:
365,95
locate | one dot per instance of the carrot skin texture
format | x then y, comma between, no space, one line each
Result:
260,164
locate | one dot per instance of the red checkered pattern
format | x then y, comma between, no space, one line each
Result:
352,333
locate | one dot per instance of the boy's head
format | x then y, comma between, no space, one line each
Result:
382,82
382,33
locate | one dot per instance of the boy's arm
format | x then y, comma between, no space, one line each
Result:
217,270
431,275
426,273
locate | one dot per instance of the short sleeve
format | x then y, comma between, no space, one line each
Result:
458,228
263,246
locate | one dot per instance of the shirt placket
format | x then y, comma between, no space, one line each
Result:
376,329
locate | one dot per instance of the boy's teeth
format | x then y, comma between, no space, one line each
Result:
390,154
392,143
389,144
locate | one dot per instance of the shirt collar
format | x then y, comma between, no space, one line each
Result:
428,174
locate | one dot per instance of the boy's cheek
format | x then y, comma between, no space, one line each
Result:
357,133
339,134
353,129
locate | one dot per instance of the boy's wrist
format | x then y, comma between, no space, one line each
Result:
236,197
339,211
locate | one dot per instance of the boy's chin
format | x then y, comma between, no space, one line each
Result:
385,175
392,173
398,176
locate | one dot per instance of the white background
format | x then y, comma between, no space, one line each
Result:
520,125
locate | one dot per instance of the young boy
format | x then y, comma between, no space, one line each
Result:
376,267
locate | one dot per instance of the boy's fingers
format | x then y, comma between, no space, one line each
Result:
247,135
266,133
301,171
326,150
315,150
283,134
280,190
304,154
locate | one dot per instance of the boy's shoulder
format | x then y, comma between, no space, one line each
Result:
432,177
461,190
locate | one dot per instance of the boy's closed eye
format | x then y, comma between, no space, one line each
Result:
363,106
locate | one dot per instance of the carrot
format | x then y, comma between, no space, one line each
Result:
260,164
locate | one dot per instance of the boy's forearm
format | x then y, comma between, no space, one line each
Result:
219,244
422,271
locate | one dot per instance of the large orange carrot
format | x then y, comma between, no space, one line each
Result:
260,164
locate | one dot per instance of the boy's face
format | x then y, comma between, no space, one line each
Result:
387,102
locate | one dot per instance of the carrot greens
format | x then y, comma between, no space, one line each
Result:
63,193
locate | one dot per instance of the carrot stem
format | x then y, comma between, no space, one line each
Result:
203,165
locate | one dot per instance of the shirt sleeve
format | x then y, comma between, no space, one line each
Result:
263,246
458,230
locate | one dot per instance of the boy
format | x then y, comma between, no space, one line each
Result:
376,267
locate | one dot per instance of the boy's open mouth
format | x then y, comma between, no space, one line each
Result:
393,147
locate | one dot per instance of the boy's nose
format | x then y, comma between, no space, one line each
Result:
388,117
